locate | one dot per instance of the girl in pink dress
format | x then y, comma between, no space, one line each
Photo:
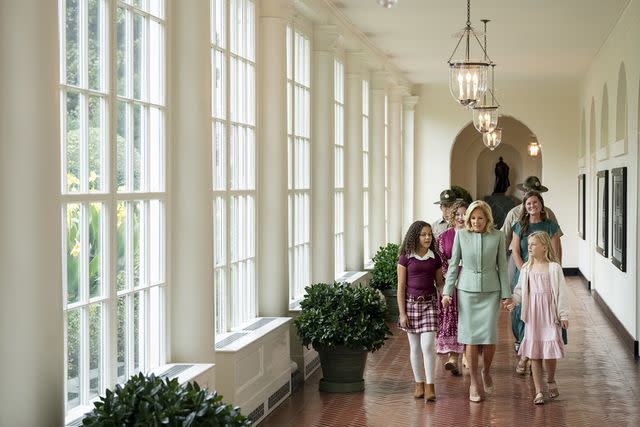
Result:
541,291
447,340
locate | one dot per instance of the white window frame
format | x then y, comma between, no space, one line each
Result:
299,160
365,168
338,104
233,38
150,195
386,168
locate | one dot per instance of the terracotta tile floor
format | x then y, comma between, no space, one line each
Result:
599,384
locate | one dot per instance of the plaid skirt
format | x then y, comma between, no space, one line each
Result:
422,315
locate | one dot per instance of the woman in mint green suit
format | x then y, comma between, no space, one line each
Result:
482,283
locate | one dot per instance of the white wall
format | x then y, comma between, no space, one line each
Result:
618,289
548,109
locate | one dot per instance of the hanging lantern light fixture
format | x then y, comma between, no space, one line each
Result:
485,115
534,147
387,3
468,78
492,139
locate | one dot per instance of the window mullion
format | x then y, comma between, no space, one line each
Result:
83,50
129,144
83,373
227,143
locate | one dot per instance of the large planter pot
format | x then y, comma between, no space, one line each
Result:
393,312
342,369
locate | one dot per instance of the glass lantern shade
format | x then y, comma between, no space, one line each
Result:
492,139
485,118
534,149
468,81
387,3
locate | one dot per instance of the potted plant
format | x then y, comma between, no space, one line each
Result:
385,277
151,401
343,323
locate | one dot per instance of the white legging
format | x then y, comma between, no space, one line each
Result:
422,348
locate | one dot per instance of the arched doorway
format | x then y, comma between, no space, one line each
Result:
472,164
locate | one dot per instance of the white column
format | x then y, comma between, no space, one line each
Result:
273,264
322,155
31,318
408,164
192,289
395,166
354,243
376,162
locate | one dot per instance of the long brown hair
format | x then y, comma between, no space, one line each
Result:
412,238
524,215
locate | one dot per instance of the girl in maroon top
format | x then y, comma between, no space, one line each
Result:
419,272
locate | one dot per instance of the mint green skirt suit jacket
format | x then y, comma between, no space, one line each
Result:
481,283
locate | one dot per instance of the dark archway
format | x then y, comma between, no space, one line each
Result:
472,164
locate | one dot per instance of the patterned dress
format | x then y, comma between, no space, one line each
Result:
447,339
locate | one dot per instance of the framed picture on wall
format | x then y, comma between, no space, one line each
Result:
581,206
602,211
619,218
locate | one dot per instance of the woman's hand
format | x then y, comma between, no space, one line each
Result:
446,301
404,321
564,324
508,304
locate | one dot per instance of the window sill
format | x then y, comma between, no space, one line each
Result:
236,340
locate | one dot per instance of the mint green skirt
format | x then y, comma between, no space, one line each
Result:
478,317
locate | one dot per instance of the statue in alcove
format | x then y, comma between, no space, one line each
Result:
500,203
502,177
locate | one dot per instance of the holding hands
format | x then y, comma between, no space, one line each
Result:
508,304
446,301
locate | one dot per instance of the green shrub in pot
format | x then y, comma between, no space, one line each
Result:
343,323
151,401
385,267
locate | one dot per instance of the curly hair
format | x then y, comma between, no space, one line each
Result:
412,239
524,215
486,209
451,214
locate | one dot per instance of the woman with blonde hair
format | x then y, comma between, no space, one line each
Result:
481,283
